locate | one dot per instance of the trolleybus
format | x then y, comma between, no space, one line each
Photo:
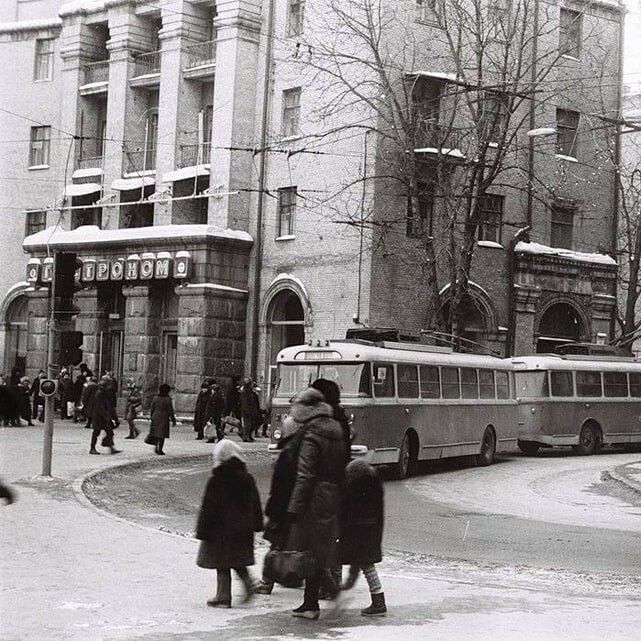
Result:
408,402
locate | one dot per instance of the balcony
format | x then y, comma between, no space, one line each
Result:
146,69
192,155
140,161
95,78
88,163
201,60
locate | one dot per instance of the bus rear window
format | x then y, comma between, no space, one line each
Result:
561,384
588,384
635,384
450,382
615,384
532,384
407,381
352,378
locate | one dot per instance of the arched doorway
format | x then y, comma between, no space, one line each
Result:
16,335
560,323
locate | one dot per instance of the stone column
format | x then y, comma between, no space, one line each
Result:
211,338
142,340
238,24
526,300
91,321
602,307
37,329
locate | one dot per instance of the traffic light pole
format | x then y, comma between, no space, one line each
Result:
47,444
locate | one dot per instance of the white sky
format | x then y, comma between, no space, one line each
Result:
632,60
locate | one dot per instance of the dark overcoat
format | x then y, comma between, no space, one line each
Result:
200,411
103,413
229,516
363,519
314,506
88,396
161,412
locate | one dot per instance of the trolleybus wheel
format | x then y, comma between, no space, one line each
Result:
488,448
529,447
405,464
589,440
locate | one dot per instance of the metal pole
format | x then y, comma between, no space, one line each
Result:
47,444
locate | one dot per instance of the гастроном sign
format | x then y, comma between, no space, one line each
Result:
147,266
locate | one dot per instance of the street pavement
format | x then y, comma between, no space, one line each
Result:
71,571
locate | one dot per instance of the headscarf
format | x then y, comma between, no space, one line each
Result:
225,450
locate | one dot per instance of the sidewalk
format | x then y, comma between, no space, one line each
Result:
70,572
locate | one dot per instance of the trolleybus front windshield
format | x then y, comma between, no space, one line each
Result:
353,379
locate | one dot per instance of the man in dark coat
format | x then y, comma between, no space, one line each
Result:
161,412
88,394
249,409
232,398
103,417
315,503
215,409
200,411
37,401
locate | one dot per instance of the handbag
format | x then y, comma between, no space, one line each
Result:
150,440
288,567
210,430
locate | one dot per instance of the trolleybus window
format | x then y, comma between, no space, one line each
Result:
450,382
561,383
407,381
469,383
502,385
532,384
588,384
486,383
352,378
430,382
635,384
383,380
615,384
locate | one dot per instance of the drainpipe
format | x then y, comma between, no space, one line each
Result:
261,191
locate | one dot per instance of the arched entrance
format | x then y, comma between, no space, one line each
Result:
16,336
560,323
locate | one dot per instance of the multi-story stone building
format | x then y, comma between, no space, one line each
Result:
189,154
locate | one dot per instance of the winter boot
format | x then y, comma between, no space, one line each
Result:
114,450
377,607
305,611
264,587
93,450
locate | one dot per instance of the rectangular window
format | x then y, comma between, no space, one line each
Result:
570,33
426,108
494,113
469,383
39,149
567,127
208,119
286,211
486,383
561,384
426,10
43,64
407,381
502,385
615,384
561,226
491,217
35,221
295,17
588,384
635,384
450,381
383,380
291,111
430,382
421,224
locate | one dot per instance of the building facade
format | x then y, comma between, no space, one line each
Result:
190,154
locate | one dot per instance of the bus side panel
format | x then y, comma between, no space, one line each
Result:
380,427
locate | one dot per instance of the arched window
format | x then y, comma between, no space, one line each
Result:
561,323
286,322
16,336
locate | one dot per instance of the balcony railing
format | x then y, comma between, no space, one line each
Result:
96,72
141,160
146,64
191,155
201,54
90,162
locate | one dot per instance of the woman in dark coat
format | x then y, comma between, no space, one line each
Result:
362,531
103,417
200,411
332,394
314,505
249,409
229,516
161,412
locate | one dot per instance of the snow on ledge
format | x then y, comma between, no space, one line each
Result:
30,25
489,243
81,6
91,235
536,248
193,171
225,288
90,172
444,151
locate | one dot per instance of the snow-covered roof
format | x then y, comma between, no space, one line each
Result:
444,151
185,173
90,235
30,25
225,288
81,189
536,248
87,173
437,75
126,184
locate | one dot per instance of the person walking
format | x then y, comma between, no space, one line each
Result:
232,401
200,411
161,412
134,403
315,503
88,393
66,396
362,531
249,409
229,516
37,401
23,400
103,417
215,408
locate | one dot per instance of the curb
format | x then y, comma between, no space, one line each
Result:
619,474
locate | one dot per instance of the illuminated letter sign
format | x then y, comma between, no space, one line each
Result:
102,271
88,270
118,269
162,266
132,268
182,265
147,266
33,271
47,270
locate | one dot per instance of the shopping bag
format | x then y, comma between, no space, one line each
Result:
150,440
288,567
210,430
71,408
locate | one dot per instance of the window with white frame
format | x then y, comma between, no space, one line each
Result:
295,17
567,127
286,210
39,148
43,63
570,32
291,111
35,221
491,217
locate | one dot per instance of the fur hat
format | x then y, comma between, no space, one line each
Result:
225,450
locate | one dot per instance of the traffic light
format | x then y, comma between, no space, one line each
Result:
70,352
48,387
66,264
